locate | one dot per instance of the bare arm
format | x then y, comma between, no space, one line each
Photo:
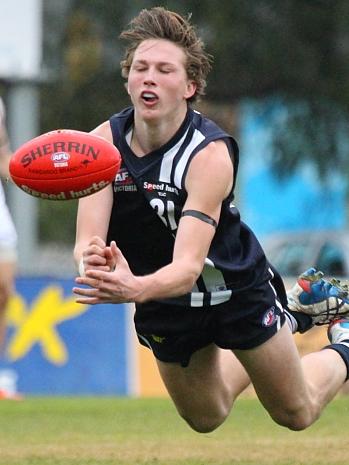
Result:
93,221
209,181
210,168
5,151
92,227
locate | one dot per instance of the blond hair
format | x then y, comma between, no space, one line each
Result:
159,23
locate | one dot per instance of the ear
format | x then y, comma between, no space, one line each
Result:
190,90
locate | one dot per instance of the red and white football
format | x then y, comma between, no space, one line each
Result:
64,164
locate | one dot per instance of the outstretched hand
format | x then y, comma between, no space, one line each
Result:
112,282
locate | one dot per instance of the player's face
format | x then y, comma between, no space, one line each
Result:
157,83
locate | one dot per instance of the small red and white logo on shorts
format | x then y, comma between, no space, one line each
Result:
269,317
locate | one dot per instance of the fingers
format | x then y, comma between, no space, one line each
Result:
114,256
117,254
88,281
101,257
94,293
102,286
97,293
93,276
97,281
90,296
111,262
99,290
94,255
98,241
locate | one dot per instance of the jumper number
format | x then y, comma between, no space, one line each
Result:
166,212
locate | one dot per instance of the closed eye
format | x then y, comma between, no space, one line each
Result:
140,68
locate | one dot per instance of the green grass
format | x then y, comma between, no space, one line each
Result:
106,431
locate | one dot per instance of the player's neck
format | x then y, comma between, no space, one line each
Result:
149,136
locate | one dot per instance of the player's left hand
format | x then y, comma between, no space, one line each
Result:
118,286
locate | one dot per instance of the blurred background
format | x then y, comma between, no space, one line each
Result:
279,84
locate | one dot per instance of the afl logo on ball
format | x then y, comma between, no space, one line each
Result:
269,317
60,159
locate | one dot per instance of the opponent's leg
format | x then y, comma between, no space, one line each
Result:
294,391
7,273
204,391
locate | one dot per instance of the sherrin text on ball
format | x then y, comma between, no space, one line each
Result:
64,164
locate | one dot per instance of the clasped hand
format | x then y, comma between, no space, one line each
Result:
108,278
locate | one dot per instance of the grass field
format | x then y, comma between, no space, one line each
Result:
106,431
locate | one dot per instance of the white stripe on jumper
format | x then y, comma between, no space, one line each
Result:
277,302
197,138
212,277
167,160
219,297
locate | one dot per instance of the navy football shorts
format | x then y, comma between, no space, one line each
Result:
247,320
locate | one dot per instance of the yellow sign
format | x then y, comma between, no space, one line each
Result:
38,324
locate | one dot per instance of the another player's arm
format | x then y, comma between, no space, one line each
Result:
93,219
5,151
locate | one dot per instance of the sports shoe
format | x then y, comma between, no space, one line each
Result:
338,331
322,300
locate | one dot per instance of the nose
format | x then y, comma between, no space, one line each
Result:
149,77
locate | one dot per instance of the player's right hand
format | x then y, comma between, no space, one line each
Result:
97,256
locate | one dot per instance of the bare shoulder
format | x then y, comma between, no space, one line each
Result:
214,156
213,165
103,130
